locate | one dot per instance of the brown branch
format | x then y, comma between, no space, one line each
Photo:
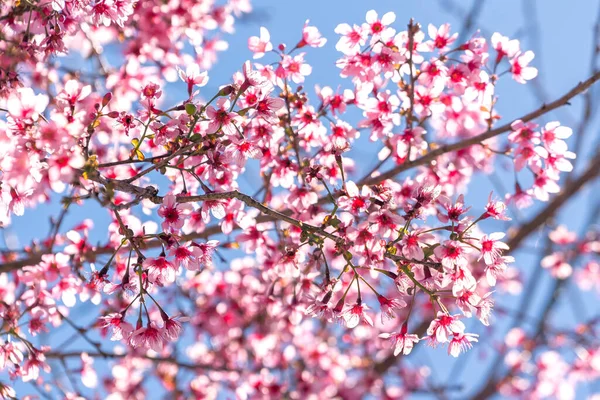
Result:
77,354
526,229
592,171
36,258
432,155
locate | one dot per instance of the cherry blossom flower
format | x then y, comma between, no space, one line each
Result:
413,243
380,27
267,109
239,151
504,46
33,364
120,328
355,201
253,78
553,135
388,306
160,270
495,209
557,265
186,257
352,38
492,247
150,337
354,314
172,327
24,105
311,37
89,378
521,71
293,68
173,213
402,342
453,210
561,235
319,306
452,254
10,352
193,77
221,118
543,184
441,36
588,277
444,326
260,45
461,342
497,268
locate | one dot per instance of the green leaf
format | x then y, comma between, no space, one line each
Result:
190,109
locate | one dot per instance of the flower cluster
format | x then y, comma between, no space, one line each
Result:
260,282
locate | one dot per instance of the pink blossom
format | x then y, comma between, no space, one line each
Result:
461,343
495,209
557,265
441,36
253,78
354,314
173,328
221,118
497,268
402,342
173,213
521,71
504,46
561,235
388,306
352,38
186,257
588,277
89,378
24,105
267,109
311,37
355,201
293,68
33,364
453,211
452,254
380,27
553,135
149,337
160,270
413,243
120,328
193,77
260,45
444,326
492,247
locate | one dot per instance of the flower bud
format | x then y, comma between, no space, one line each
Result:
106,99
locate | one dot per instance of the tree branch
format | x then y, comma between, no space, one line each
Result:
432,155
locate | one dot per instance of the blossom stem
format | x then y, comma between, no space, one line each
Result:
411,276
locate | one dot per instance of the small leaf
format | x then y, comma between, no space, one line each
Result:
190,108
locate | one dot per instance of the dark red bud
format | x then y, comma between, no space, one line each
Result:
106,99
